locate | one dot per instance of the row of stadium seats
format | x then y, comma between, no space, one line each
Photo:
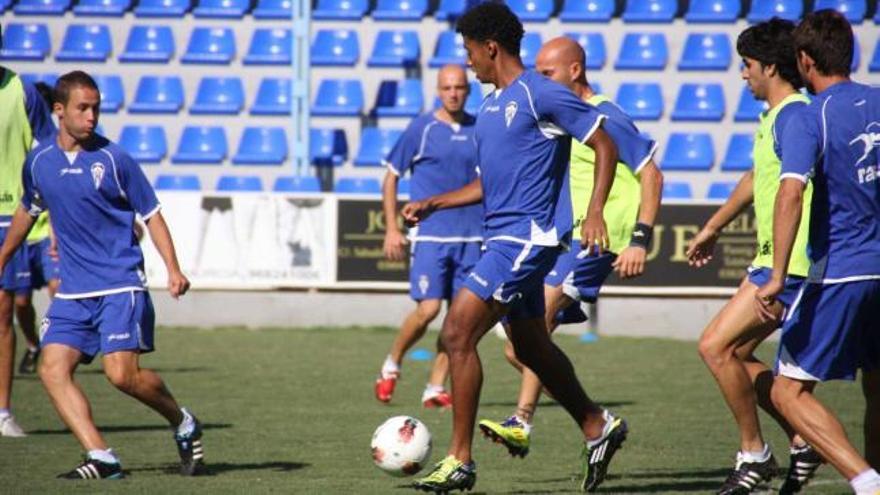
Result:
207,145
341,48
146,44
217,9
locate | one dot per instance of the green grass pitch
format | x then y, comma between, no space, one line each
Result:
292,411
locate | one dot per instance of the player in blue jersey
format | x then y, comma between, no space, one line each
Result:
523,139
94,191
438,152
831,330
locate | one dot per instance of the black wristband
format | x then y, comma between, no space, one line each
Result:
642,235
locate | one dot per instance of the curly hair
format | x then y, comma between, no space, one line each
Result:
772,43
492,21
827,37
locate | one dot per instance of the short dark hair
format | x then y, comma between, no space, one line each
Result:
827,37
72,80
771,43
492,21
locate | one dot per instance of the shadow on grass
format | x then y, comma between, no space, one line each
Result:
130,428
182,369
679,481
547,403
218,468
701,486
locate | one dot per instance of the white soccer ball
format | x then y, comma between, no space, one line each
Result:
401,446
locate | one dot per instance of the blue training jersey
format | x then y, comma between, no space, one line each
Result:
523,138
93,201
441,157
39,114
835,142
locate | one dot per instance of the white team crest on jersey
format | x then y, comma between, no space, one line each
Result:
870,139
97,174
510,112
423,284
44,327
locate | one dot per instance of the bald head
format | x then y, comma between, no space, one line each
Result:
452,88
562,59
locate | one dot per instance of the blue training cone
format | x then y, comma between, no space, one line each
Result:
589,338
421,354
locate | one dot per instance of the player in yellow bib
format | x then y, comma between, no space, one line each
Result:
629,213
728,342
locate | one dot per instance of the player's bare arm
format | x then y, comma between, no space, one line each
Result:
631,261
178,284
594,232
395,242
18,231
702,246
786,218
416,211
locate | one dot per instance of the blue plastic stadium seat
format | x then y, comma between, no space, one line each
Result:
763,10
529,48
48,79
112,92
218,95
748,109
154,44
327,147
201,145
162,8
857,55
395,49
352,10
700,102
587,10
358,185
449,10
25,42
643,51
85,43
594,48
650,10
335,47
270,47
853,10
375,145
108,8
146,144
400,98
875,60
173,182
677,190
642,101
726,11
4,4
273,97
273,9
693,152
531,10
449,50
339,97
41,7
261,146
221,9
706,51
720,190
158,94
738,157
400,10
210,46
297,184
877,16
239,183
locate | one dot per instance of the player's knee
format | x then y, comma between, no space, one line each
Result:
121,378
712,351
783,392
51,371
427,311
454,337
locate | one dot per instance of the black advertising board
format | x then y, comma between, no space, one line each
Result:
359,253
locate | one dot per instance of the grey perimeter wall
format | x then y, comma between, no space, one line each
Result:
679,318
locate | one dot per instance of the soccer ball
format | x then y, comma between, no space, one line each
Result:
401,446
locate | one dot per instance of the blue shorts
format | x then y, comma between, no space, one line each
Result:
759,276
513,274
16,274
581,277
438,269
43,267
106,324
831,331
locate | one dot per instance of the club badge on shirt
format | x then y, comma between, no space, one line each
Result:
510,112
97,173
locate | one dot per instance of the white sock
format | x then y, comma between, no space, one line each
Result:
4,413
526,425
609,419
434,389
32,348
107,456
187,425
390,368
866,482
755,456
